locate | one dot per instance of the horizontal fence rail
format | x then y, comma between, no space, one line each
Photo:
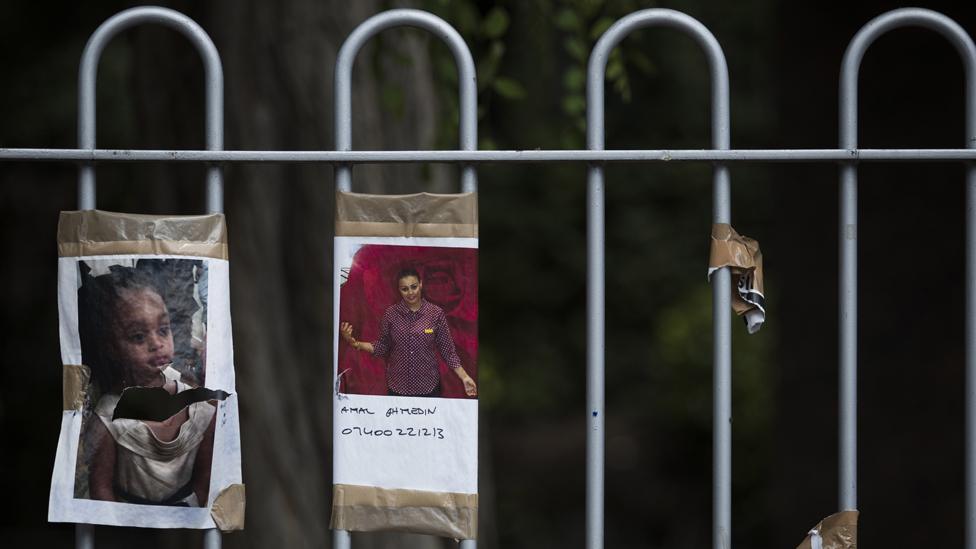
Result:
486,157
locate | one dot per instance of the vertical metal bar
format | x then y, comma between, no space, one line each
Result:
468,115
848,246
214,78
971,320
211,539
341,539
84,533
596,290
467,79
721,281
847,283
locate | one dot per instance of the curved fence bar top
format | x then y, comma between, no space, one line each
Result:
467,79
213,74
949,29
721,281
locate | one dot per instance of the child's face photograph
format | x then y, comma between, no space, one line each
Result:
142,340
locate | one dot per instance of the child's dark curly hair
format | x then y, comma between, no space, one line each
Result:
97,299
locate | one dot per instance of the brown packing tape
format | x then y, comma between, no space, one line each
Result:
75,386
838,531
408,215
228,508
95,232
742,255
369,509
371,228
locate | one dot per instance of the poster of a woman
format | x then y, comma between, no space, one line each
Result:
408,322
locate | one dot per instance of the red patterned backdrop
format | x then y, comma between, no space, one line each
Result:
450,278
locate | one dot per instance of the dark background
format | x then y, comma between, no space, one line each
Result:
784,60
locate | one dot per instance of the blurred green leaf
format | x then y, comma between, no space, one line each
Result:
574,104
574,79
571,140
495,23
567,20
445,70
615,69
641,61
576,49
497,50
392,99
623,88
601,26
467,17
589,8
508,88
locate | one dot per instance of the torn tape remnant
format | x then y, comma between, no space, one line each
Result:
371,509
228,508
838,531
75,386
744,259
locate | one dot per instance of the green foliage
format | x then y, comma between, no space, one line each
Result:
508,88
392,99
485,34
582,23
495,23
682,338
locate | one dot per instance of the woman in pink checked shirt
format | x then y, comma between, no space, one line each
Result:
410,330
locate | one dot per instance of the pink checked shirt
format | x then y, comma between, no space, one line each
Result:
407,338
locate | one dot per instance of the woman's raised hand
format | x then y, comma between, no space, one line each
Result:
345,330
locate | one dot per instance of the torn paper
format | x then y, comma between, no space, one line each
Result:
743,257
838,531
155,437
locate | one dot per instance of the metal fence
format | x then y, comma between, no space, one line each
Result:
343,158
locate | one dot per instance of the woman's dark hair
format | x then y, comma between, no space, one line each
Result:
404,273
97,299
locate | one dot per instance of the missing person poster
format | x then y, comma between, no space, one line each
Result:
405,408
149,432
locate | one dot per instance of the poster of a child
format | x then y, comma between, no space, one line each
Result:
150,431
141,325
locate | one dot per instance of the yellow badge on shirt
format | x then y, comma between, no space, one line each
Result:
428,330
